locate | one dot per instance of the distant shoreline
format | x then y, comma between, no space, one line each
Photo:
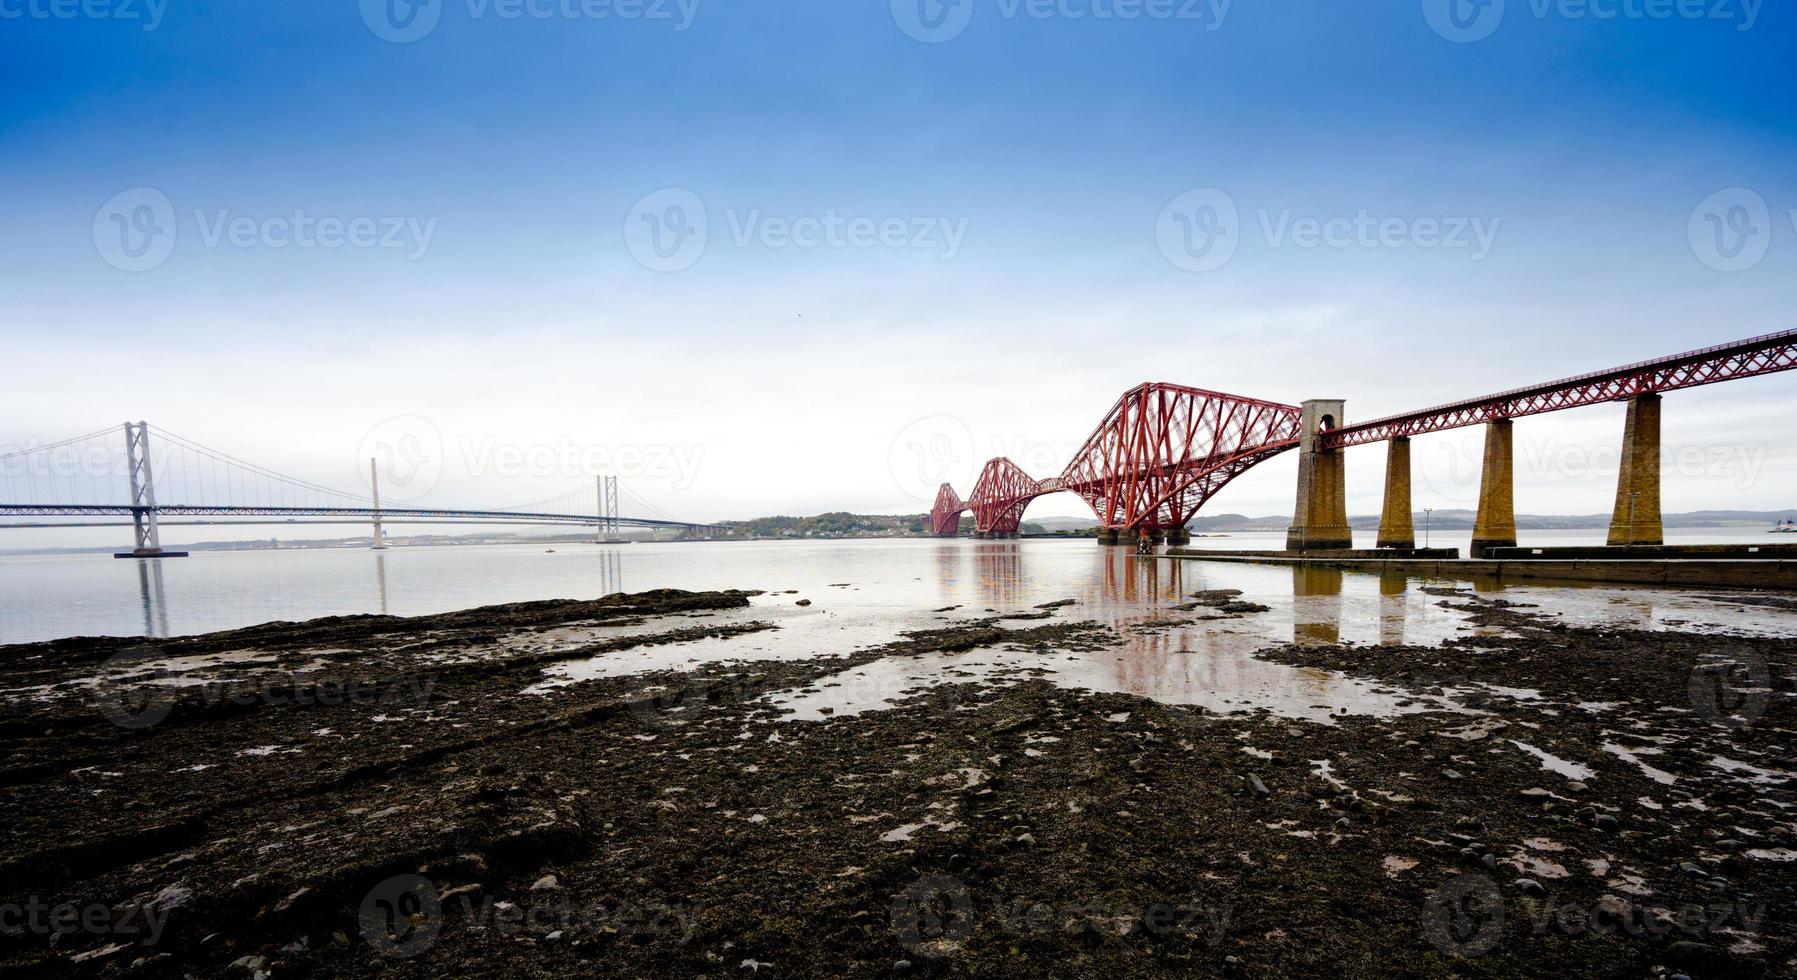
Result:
1052,528
841,526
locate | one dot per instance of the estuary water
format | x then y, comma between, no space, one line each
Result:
870,586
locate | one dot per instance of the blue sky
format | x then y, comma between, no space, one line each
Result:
1030,159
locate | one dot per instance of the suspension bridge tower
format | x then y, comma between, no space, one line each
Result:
143,496
374,484
608,511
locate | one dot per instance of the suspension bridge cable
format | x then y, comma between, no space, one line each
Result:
111,429
653,510
187,473
582,493
246,470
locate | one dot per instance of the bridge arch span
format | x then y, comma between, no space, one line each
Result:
1158,455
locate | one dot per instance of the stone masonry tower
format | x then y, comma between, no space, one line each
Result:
1320,521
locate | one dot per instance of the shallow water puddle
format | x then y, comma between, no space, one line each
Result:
1174,651
883,683
1634,756
1630,884
1220,683
1325,770
1531,865
800,633
1395,865
1654,609
902,833
1749,773
189,671
571,640
1553,763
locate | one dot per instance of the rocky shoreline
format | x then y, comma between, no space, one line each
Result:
365,795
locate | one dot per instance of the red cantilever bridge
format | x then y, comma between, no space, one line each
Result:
1165,449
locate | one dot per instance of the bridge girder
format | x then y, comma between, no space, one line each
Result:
388,513
1160,453
1755,356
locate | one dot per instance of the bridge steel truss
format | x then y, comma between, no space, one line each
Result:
1158,455
1166,449
1749,358
1000,495
945,516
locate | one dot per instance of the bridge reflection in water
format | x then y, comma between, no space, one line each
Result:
611,569
1201,656
1125,591
1391,609
998,574
154,597
152,591
897,586
1317,604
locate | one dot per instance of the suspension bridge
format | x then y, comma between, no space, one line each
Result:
1165,449
145,477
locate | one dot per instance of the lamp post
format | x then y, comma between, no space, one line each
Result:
1631,538
1426,512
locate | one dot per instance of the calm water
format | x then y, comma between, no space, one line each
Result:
880,585
863,593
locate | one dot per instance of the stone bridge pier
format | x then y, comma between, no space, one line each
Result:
1397,529
1495,525
1172,536
1320,521
1636,519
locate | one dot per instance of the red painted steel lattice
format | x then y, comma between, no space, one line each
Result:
945,517
1725,362
1001,493
1163,450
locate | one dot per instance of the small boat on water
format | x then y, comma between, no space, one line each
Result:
1786,526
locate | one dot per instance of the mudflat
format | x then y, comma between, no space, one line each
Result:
363,795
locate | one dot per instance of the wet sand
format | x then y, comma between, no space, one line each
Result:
652,785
